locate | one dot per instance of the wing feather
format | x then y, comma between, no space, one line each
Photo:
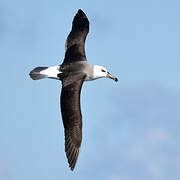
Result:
75,50
72,120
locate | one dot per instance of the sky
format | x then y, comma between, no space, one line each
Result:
130,128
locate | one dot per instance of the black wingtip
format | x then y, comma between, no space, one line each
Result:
80,10
72,168
81,13
80,22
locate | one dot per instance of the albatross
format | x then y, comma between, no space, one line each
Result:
74,70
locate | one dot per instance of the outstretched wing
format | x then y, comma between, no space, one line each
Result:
75,50
72,120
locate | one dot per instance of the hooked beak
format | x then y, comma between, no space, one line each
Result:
108,75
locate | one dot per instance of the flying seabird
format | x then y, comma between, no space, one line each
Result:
74,70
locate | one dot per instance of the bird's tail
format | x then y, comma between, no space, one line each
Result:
45,72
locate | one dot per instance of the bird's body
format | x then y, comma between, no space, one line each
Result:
74,70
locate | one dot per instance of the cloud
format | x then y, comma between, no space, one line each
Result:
139,139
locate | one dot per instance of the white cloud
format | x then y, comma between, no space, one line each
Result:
142,141
158,135
155,170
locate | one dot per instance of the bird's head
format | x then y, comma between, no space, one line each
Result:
100,72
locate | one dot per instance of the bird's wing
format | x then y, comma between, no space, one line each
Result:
72,120
75,50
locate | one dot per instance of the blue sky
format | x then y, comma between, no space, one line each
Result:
130,128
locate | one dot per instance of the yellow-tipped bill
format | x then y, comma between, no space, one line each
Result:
108,75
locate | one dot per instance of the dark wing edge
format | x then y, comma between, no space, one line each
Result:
80,29
72,120
75,41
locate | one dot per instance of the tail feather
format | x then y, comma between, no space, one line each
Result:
44,72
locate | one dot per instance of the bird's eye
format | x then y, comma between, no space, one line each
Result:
103,70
